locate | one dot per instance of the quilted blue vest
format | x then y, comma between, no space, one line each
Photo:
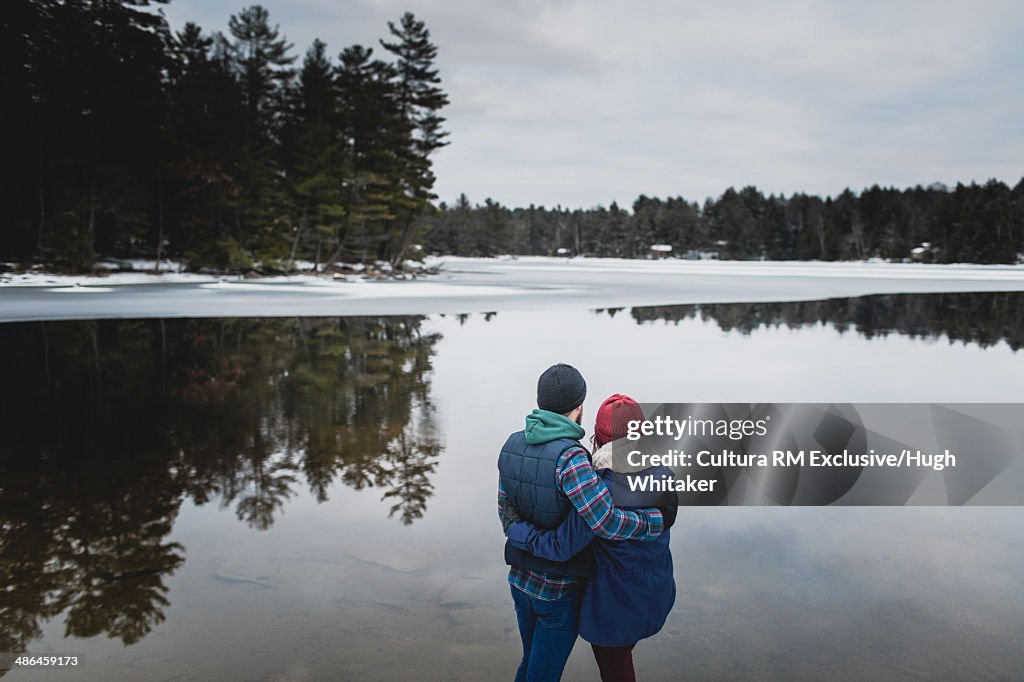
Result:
528,477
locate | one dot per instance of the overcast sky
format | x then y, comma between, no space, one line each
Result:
583,103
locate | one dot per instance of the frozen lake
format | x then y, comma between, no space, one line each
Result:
467,285
309,498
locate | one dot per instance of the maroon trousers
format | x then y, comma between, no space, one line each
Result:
615,663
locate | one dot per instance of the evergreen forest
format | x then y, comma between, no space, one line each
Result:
235,151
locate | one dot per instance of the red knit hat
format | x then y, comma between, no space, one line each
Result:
613,418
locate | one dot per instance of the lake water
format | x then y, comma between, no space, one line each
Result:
314,498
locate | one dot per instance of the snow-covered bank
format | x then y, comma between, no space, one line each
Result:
45,279
140,271
482,284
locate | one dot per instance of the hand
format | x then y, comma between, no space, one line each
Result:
509,515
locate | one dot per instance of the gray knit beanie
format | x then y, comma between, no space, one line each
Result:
561,389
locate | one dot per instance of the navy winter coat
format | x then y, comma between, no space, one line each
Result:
632,590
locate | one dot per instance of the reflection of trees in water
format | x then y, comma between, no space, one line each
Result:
257,404
410,462
85,539
365,414
111,424
260,488
116,558
981,318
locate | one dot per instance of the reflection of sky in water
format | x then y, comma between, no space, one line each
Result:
339,590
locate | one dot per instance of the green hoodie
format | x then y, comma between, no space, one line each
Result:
543,426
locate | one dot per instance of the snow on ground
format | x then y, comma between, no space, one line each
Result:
140,264
42,279
483,285
840,269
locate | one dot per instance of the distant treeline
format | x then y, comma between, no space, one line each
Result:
125,138
970,223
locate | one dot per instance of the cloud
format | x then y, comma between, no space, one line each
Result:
582,103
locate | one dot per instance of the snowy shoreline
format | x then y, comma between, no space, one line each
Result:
484,285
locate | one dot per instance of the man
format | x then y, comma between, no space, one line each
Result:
544,472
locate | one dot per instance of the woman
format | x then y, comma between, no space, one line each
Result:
632,589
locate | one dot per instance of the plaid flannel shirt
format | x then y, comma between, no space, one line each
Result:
592,499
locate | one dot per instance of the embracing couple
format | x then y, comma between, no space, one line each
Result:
587,555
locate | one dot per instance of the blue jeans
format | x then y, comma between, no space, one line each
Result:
548,630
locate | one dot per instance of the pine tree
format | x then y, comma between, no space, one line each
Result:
419,100
261,58
206,136
367,121
314,153
98,106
